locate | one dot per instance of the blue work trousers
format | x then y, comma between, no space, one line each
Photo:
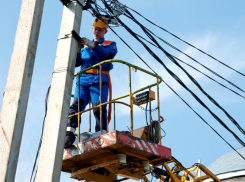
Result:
90,93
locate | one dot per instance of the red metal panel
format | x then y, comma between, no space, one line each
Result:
113,138
143,145
90,145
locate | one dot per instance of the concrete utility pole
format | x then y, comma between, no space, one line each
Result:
17,89
50,160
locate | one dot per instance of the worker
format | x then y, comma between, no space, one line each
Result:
93,52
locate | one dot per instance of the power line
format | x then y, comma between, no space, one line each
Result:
189,76
176,77
187,42
98,15
204,120
208,77
196,61
40,142
194,68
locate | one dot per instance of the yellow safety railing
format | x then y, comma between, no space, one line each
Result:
115,100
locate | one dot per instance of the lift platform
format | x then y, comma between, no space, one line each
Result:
131,155
116,153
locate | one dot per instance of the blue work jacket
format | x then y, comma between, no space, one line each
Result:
103,50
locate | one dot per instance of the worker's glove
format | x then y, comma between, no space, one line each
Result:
87,42
79,47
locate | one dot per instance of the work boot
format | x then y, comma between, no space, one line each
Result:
68,144
69,140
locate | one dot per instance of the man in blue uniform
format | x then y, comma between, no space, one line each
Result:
93,52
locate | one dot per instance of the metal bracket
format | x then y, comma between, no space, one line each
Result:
73,33
64,36
66,2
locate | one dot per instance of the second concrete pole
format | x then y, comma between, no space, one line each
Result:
50,160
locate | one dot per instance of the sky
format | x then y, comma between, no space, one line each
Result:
216,27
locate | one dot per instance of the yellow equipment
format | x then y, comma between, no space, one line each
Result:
181,174
128,154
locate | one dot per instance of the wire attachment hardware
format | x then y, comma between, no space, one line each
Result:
66,2
76,35
64,36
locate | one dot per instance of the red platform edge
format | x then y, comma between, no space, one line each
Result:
116,137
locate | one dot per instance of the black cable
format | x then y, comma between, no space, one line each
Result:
204,120
158,172
186,42
193,68
133,19
146,113
59,70
98,16
178,79
197,62
176,93
175,76
40,142
164,133
208,76
35,175
153,134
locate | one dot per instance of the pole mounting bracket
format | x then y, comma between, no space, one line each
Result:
66,2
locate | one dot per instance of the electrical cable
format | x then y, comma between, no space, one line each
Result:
98,16
197,62
59,70
158,172
186,42
35,175
133,19
181,83
178,79
146,114
208,77
40,142
154,127
204,120
194,68
171,88
164,133
153,135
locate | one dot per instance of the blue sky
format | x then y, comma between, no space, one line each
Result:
216,27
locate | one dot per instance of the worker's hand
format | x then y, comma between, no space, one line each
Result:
79,47
87,42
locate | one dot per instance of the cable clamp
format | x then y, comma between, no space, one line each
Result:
66,2
64,36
